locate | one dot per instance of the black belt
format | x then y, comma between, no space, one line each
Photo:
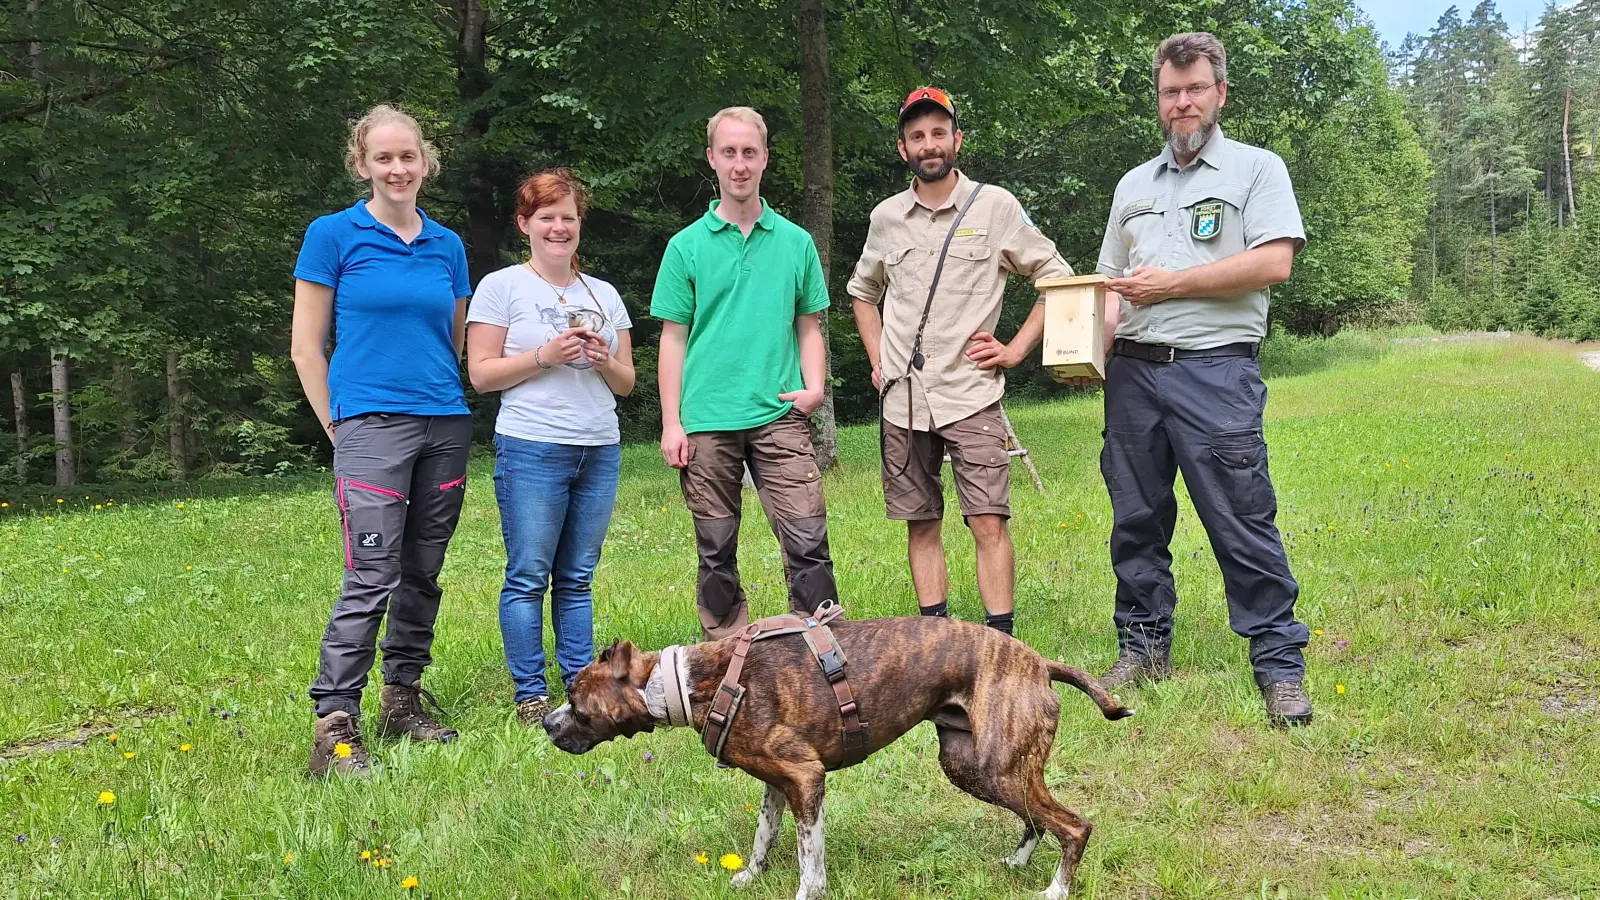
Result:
1161,354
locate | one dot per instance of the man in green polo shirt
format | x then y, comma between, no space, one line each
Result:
739,292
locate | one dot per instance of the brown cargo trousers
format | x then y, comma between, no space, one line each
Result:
784,469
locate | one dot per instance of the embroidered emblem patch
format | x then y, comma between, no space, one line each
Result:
1207,220
370,539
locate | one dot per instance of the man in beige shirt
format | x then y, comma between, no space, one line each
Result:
935,358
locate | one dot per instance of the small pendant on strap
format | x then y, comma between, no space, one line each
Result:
917,360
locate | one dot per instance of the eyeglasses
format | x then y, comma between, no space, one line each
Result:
1195,92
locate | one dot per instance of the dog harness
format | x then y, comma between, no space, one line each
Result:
829,655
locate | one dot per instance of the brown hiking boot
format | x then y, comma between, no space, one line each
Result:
336,747
1133,671
531,712
400,714
1287,704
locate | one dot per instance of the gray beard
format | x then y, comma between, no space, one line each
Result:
1186,144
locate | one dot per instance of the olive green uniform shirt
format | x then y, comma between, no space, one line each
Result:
1230,198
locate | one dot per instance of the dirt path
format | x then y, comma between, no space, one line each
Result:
1592,360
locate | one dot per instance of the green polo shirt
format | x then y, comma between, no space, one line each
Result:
739,297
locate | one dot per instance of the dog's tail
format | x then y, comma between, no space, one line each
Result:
1087,683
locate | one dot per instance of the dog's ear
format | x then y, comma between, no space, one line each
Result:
621,657
606,653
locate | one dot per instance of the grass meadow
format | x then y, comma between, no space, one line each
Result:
1441,510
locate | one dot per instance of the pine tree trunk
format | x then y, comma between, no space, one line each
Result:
19,402
1494,248
66,463
177,439
1566,152
122,383
816,209
485,222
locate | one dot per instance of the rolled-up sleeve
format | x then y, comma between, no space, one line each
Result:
1271,212
1027,252
869,281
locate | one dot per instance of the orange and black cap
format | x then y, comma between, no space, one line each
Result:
925,96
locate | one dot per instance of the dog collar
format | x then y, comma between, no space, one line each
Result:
666,694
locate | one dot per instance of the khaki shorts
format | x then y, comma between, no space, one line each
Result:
913,489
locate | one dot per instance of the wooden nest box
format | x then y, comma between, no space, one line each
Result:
1074,325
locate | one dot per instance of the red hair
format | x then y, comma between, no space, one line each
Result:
548,188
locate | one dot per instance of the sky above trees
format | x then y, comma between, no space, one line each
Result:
1396,18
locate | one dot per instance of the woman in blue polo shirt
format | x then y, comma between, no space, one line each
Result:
393,286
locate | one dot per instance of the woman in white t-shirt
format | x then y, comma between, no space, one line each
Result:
554,342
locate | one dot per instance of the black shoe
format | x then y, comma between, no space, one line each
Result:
1287,704
1134,670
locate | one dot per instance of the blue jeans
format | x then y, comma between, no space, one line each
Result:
555,505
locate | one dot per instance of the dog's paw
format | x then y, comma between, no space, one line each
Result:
743,879
1015,861
1054,892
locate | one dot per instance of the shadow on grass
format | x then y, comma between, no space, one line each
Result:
1283,355
37,498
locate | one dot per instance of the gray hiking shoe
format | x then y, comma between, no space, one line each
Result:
1287,703
336,747
400,714
1133,670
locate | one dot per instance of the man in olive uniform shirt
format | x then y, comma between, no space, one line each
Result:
936,361
1195,238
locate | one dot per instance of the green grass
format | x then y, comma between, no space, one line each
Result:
1440,509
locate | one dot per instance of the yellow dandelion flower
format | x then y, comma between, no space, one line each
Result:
66,571
180,506
128,755
97,556
342,750
731,862
112,738
98,506
4,505
410,884
185,748
1318,632
366,854
1338,688
107,798
191,568
59,500
288,858
48,518
701,858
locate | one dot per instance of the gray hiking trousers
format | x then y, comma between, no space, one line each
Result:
398,481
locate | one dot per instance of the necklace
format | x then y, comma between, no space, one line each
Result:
560,292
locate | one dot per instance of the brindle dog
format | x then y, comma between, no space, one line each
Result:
987,694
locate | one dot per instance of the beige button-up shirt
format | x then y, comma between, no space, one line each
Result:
896,267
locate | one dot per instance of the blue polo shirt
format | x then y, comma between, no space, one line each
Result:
393,308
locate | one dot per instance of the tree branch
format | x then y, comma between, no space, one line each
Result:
90,94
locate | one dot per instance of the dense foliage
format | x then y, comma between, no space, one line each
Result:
159,160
